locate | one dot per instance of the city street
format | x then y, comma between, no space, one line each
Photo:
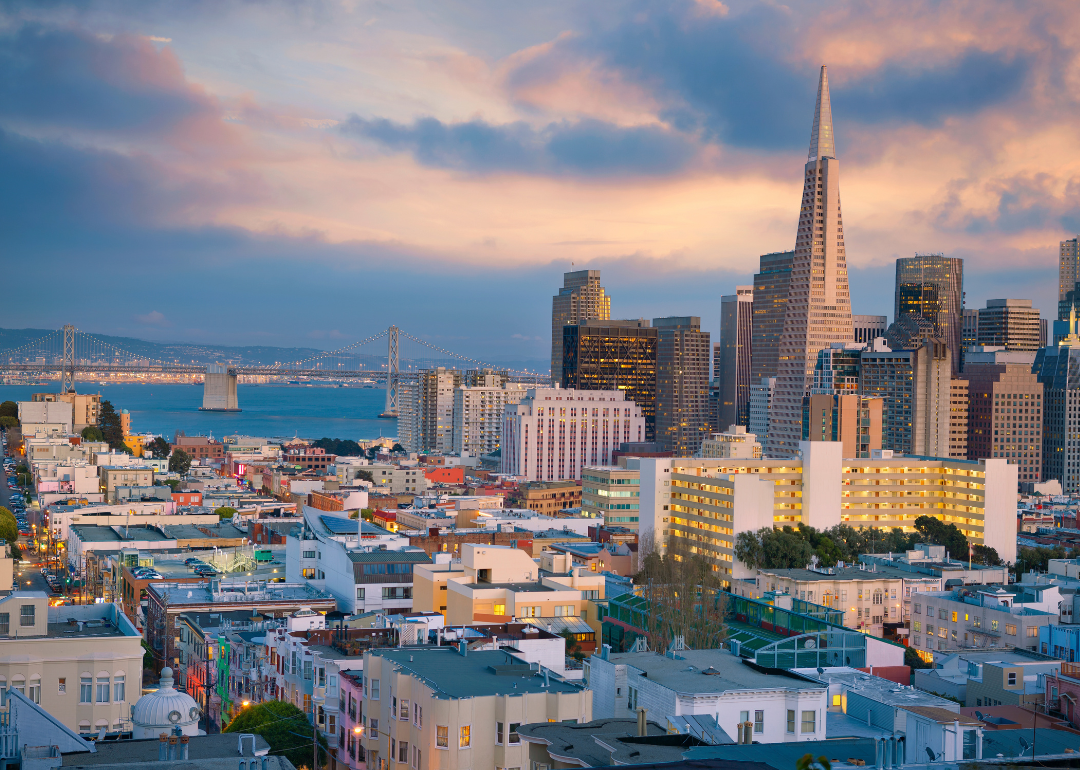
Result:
30,577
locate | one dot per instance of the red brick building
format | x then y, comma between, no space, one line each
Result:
200,447
308,458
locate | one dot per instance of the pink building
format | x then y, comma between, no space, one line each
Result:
350,750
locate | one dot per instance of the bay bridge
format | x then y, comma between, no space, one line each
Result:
71,352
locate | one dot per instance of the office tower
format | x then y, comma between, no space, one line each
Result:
771,284
969,333
1006,405
910,331
553,433
819,306
867,328
958,418
1043,332
732,367
1068,272
682,384
614,355
1058,370
855,421
478,413
837,368
1009,323
581,298
915,386
761,398
932,286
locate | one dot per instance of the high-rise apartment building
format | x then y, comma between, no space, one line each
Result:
426,411
732,367
1068,271
682,384
614,355
478,413
958,418
1009,323
761,398
853,420
818,308
932,286
771,284
581,298
868,328
1006,407
553,433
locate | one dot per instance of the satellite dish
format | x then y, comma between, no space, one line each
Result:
1026,745
820,670
979,716
930,752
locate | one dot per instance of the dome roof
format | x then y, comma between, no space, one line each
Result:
166,707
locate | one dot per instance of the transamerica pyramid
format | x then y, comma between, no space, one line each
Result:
819,305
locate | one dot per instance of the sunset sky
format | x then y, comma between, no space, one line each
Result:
306,173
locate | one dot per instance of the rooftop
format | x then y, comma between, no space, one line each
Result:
389,556
601,742
339,526
850,572
92,533
695,671
784,756
181,594
875,688
516,587
480,673
200,749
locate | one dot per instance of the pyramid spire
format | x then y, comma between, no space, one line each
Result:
822,143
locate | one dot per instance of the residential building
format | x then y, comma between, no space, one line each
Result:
406,478
478,412
929,559
932,286
581,298
614,355
915,388
708,502
819,305
421,701
553,433
1063,691
308,458
734,356
199,447
612,491
1010,323
57,415
855,421
761,399
82,664
1011,682
953,672
868,328
782,706
547,497
771,285
610,557
736,442
982,616
84,407
682,384
959,410
112,477
838,366
1005,414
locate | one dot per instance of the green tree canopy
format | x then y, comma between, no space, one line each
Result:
109,422
9,529
8,422
160,447
9,409
911,658
365,475
285,728
398,448
225,512
343,447
92,433
180,462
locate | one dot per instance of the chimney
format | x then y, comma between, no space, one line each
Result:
172,747
605,650
163,747
642,730
463,648
184,746
748,732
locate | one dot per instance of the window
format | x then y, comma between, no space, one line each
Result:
360,596
969,744
929,610
464,738
118,690
1012,681
942,631
836,700
759,721
500,609
809,722
418,717
26,616
5,623
441,737
513,739
790,721
917,609
35,690
993,625
86,689
403,752
953,620
103,690
403,712
744,716
1010,629
941,613
61,685
374,691
393,708
1032,632
498,734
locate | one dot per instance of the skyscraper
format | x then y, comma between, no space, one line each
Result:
932,285
1010,323
818,308
682,384
869,327
734,358
581,297
1068,273
770,301
614,355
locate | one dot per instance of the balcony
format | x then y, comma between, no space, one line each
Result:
1071,670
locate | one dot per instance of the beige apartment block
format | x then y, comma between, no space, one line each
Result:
457,709
81,664
959,409
124,476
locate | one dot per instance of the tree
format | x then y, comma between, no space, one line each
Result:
372,452
9,409
342,447
366,476
285,728
911,658
225,512
109,422
92,433
171,483
180,462
9,528
985,554
160,447
397,449
573,647
8,422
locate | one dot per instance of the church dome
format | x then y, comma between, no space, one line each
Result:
165,709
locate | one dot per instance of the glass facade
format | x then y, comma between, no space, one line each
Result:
770,303
932,285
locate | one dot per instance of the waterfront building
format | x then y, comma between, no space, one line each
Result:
734,355
581,298
818,308
553,433
771,284
959,411
932,286
614,355
735,443
478,412
853,420
1006,414
761,398
868,328
1010,323
706,503
682,383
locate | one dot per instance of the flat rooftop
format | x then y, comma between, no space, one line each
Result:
68,631
876,572
516,587
694,671
479,673
878,689
180,594
92,533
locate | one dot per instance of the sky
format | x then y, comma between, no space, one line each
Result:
308,173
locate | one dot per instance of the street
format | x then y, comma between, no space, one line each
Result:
27,577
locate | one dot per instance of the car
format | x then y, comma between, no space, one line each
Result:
194,560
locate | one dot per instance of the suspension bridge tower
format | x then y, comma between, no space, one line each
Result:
67,371
392,373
